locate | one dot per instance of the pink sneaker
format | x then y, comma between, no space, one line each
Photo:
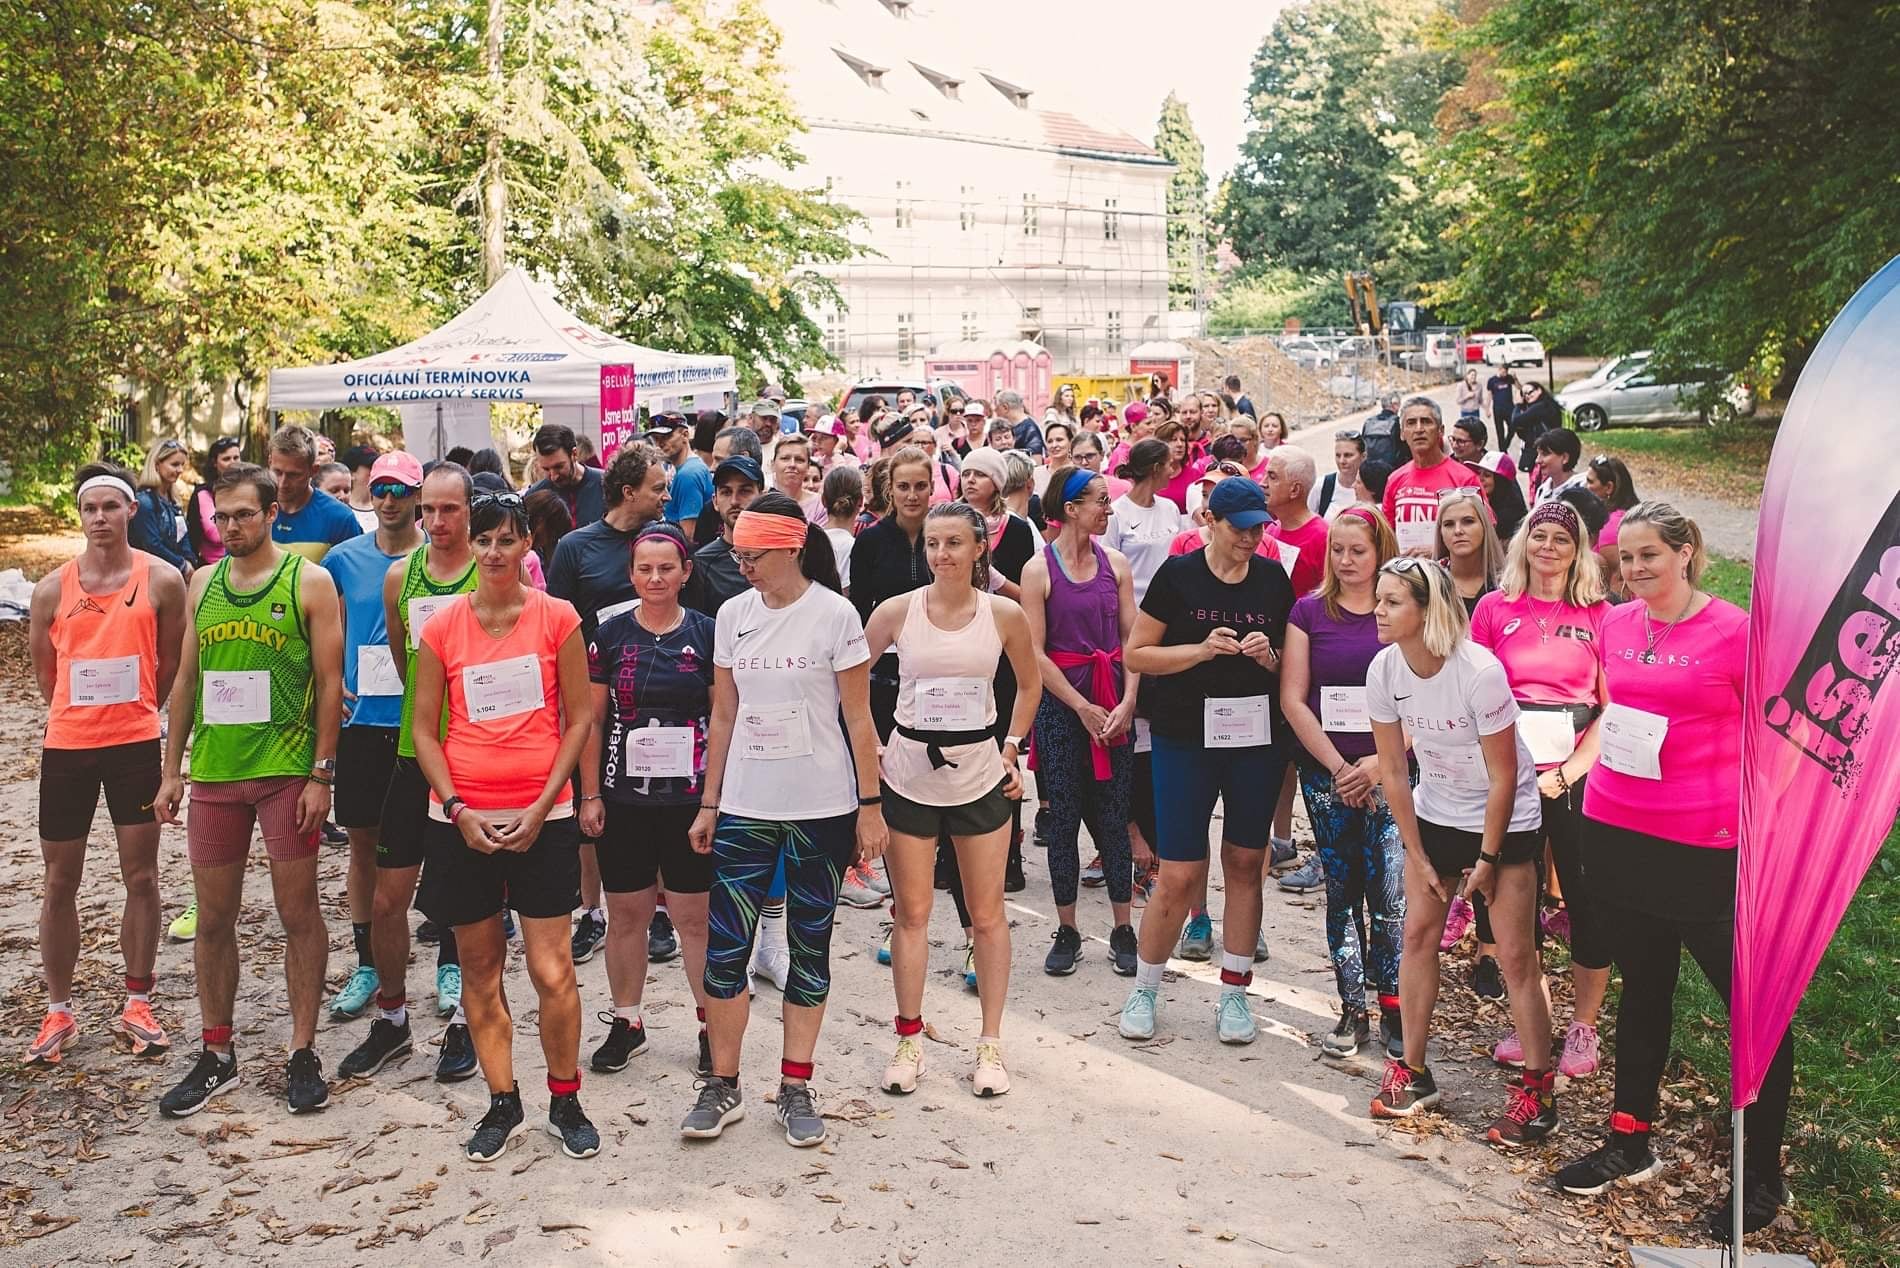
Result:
1581,1045
1510,1052
1457,920
1557,923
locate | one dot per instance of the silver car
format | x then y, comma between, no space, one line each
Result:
1636,395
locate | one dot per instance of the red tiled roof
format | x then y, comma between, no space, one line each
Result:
1070,133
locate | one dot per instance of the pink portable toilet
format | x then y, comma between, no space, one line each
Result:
983,369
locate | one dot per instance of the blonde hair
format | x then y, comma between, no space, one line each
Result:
1491,550
1583,587
1676,530
907,456
1384,546
1430,586
149,478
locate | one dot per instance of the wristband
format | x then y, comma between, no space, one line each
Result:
871,801
592,797
453,806
326,780
704,806
1492,859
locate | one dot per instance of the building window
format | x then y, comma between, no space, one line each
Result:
903,205
1111,220
1031,216
1114,327
966,213
969,328
906,339
834,334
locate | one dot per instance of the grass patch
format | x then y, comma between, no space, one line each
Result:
1725,463
1845,1125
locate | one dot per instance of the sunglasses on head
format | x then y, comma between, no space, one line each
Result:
393,489
1405,563
507,501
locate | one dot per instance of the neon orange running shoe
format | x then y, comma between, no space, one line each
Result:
138,1030
57,1034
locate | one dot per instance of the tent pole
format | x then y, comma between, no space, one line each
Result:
1735,1189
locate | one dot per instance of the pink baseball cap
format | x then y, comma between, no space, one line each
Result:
397,464
1134,412
826,425
1498,463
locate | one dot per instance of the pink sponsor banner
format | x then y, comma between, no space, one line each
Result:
1821,734
618,420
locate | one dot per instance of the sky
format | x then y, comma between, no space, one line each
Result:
1122,57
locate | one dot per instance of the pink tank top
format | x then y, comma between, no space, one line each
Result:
946,683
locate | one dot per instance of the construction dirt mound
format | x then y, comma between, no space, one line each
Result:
1276,382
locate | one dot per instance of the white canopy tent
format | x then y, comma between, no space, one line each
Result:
514,344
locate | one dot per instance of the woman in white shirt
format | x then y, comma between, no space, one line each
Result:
783,781
1140,523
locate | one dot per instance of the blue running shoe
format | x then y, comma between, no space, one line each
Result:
356,994
1197,940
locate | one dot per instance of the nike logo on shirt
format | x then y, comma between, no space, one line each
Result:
130,597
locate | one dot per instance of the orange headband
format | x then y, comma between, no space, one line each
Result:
761,530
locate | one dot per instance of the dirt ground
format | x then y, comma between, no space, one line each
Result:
1175,1151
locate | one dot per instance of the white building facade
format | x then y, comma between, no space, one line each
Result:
987,216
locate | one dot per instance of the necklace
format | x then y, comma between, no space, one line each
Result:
1651,639
1543,622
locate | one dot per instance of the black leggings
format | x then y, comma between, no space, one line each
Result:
884,718
1065,774
1565,825
1648,950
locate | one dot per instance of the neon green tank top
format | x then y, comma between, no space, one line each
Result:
417,584
258,727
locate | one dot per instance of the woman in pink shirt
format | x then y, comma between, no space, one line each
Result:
1664,809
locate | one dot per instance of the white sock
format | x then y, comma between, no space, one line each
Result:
64,1006
398,1015
460,1018
1149,975
143,997
631,1013
1286,841
1236,963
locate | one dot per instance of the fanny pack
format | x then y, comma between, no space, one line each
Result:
1581,715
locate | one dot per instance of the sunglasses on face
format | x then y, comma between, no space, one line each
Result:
393,489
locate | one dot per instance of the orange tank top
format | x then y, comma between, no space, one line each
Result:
105,688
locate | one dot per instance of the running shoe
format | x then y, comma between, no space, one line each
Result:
1509,1052
969,966
1060,962
1307,876
508,929
1582,1050
568,1124
719,1105
1487,980
1014,882
448,989
880,878
1457,920
213,1075
138,1030
57,1033
625,1041
1092,874
990,1079
429,931
1121,947
1138,1014
184,928
1527,1119
858,891
1143,887
663,943
357,991
1762,1201
334,837
1392,1033
940,878
772,957
703,1065
1197,940
590,931
385,1042
1350,1035
1260,948
797,1113
1283,857
1556,923
1233,1018
501,1124
1622,1159
1404,1091
456,1061
900,1076
884,947
305,1087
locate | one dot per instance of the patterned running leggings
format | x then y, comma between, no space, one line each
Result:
1365,863
1065,774
746,853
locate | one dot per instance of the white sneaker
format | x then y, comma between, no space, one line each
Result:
990,1079
771,957
860,889
880,878
900,1076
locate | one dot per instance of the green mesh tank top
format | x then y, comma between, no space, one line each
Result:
245,634
416,584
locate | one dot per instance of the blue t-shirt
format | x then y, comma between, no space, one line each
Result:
691,492
359,567
322,523
652,680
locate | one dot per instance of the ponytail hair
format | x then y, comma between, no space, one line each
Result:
815,558
1676,530
980,570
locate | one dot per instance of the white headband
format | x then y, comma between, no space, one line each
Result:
110,482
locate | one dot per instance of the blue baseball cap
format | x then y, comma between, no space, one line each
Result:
742,465
1239,501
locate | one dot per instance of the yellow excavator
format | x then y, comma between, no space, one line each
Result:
1363,298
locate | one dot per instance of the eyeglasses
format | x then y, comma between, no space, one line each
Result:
393,489
507,501
244,517
748,560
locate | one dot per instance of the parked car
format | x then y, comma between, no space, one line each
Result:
1514,350
1307,353
888,388
1637,396
1614,368
1476,344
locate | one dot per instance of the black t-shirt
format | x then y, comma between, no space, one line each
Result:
1191,602
1017,548
652,680
591,570
716,578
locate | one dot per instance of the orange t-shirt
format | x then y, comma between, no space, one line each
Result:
504,698
105,684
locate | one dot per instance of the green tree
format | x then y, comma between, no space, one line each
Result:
1190,248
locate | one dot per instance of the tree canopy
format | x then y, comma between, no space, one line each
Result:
1190,250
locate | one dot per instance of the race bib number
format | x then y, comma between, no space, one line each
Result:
1417,534
1343,709
1452,767
1289,555
1235,722
1549,736
237,698
422,610
660,752
502,688
100,682
613,610
1144,736
774,733
950,704
1632,741
376,671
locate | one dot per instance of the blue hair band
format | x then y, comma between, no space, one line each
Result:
1078,480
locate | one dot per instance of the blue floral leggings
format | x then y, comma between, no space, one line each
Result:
1365,865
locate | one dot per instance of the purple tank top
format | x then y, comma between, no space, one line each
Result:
1081,618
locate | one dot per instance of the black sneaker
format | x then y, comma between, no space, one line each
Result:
1061,959
589,932
624,1042
429,931
305,1089
565,1120
1392,1033
1013,880
662,943
386,1041
501,1124
1404,1091
213,1075
704,1067
940,879
1349,1036
1527,1119
1487,980
1622,1159
334,836
457,1059
1121,945
1762,1201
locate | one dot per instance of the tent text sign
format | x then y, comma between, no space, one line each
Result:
617,419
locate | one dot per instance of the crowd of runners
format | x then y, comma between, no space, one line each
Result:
684,705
